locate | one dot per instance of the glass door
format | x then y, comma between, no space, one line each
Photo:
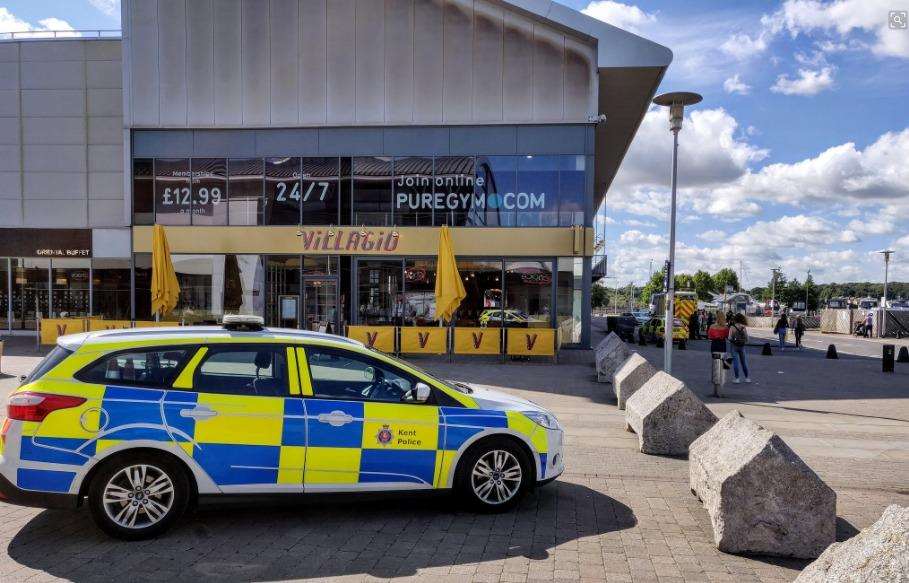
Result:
320,305
282,306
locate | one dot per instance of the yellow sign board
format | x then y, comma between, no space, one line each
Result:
531,341
477,340
96,324
424,340
379,337
153,324
53,328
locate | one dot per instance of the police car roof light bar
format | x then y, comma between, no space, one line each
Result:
243,323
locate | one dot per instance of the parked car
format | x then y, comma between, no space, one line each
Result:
656,326
623,326
642,316
136,424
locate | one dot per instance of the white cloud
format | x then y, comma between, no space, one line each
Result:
635,236
793,231
808,82
107,7
9,22
625,16
872,225
735,84
712,235
637,223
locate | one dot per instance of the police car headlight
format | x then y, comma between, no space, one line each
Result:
543,419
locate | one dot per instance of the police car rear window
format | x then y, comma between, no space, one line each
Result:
154,368
53,358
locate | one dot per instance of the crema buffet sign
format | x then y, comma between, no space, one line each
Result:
46,242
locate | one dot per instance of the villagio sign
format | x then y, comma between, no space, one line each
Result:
45,242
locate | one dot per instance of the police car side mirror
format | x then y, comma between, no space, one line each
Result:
423,392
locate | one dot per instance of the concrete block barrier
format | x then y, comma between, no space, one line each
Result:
878,553
610,354
667,416
761,497
630,377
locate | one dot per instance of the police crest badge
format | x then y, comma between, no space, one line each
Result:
384,436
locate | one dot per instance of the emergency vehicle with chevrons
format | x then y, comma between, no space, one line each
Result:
137,424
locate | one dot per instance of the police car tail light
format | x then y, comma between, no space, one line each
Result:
29,406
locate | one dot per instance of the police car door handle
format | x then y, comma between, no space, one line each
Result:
198,413
335,418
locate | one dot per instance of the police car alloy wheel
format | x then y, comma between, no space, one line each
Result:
493,475
138,497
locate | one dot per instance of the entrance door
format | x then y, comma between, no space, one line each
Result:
320,305
282,306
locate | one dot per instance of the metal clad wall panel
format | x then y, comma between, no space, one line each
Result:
227,64
285,66
370,72
518,68
548,73
427,61
313,39
487,61
580,79
172,61
200,54
341,61
254,58
457,88
53,75
399,47
143,59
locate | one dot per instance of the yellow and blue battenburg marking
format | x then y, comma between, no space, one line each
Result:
253,440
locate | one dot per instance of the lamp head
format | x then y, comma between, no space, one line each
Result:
676,101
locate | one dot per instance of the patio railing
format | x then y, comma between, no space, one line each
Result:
60,34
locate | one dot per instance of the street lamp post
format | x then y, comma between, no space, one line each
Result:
776,271
886,253
807,280
676,101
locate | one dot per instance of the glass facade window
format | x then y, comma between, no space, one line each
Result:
372,192
483,283
282,304
245,186
30,292
528,293
570,298
110,288
497,181
379,292
70,283
572,186
455,201
420,292
413,191
244,285
282,191
321,191
143,191
536,199
209,191
5,283
173,196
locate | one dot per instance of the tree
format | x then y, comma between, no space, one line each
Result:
725,277
683,281
703,285
599,296
654,286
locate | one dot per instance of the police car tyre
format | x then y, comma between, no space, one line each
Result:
136,497
493,475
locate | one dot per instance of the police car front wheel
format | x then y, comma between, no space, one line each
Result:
138,497
493,476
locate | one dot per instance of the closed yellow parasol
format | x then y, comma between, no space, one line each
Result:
165,290
449,287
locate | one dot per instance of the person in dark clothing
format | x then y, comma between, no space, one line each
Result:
710,319
694,326
799,332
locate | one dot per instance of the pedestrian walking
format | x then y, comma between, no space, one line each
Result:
738,339
780,329
799,332
869,324
694,326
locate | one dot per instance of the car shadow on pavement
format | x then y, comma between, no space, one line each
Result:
323,537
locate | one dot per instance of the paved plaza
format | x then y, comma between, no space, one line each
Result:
615,515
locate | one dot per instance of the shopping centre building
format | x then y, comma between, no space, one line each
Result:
304,153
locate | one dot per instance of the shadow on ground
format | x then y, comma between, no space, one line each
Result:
324,537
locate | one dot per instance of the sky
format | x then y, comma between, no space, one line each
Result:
797,158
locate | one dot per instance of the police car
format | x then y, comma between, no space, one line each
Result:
137,424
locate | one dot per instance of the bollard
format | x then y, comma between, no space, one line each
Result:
642,340
903,355
718,373
659,342
831,352
765,351
889,352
